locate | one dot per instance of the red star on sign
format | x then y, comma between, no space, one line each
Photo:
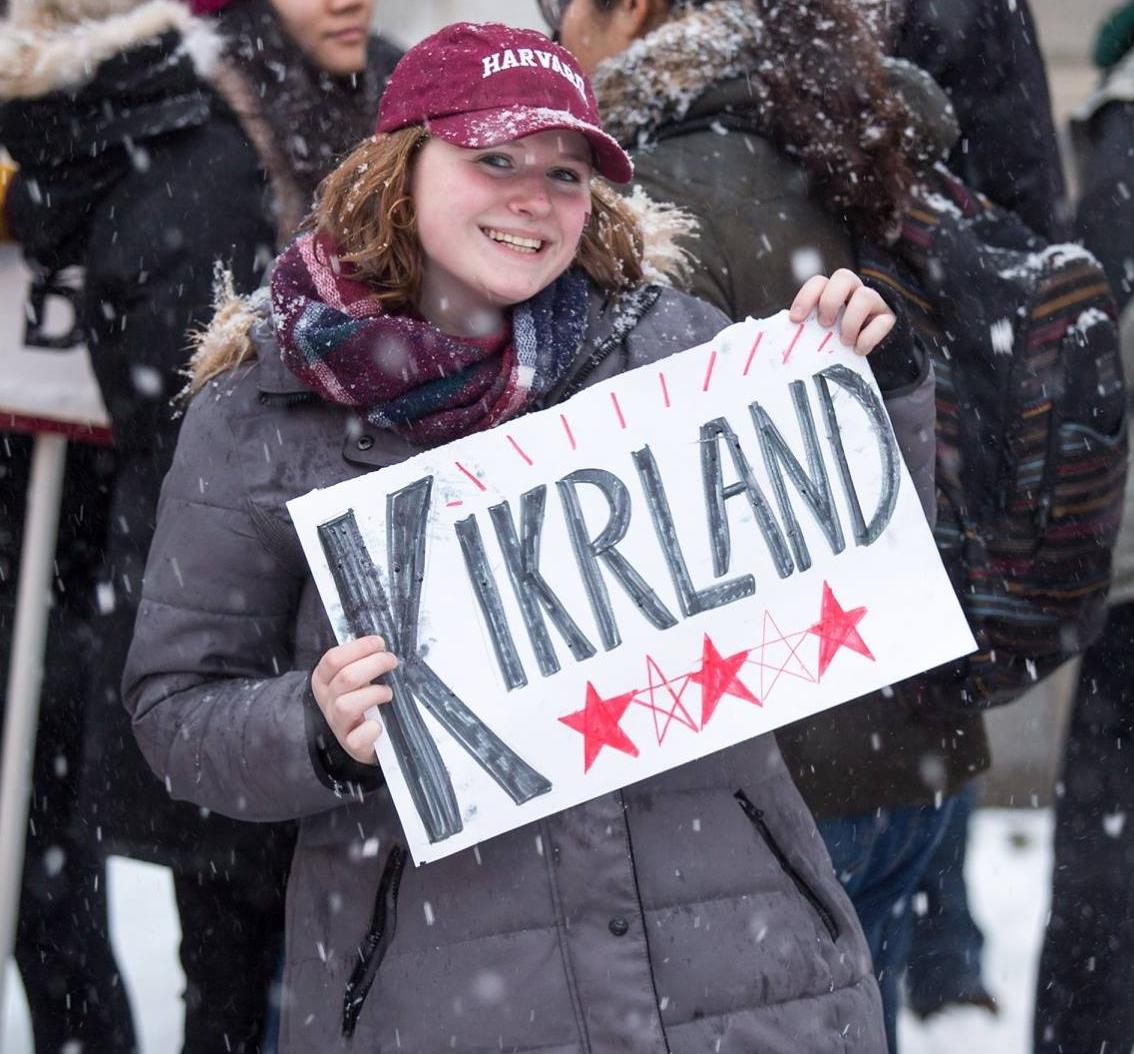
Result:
717,678
598,721
836,629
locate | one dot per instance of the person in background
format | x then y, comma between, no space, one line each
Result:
151,144
1082,991
985,55
71,980
1102,135
778,128
472,230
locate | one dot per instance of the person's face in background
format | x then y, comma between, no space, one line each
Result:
332,33
595,30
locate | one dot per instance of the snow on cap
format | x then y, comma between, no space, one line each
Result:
483,84
208,7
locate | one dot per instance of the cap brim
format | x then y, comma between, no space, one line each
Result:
481,128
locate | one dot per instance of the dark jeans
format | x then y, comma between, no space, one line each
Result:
880,858
230,903
944,963
1083,1001
231,944
74,991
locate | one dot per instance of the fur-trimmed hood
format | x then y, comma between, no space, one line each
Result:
46,48
77,129
662,77
81,75
656,80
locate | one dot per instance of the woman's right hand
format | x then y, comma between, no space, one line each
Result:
341,683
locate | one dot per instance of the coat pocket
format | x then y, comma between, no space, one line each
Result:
756,816
372,950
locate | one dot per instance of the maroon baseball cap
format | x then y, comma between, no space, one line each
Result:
483,84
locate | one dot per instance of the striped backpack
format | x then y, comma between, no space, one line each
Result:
1031,432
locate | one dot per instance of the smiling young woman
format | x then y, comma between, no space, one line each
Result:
464,265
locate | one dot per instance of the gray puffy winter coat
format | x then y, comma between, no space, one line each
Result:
695,911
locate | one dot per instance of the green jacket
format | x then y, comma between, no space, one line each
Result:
761,233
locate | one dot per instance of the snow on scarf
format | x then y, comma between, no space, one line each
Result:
402,373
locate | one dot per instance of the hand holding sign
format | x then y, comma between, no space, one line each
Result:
675,560
342,683
867,318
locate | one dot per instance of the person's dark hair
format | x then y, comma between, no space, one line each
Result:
827,102
833,110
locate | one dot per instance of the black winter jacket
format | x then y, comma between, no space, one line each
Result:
986,56
143,176
143,160
1103,135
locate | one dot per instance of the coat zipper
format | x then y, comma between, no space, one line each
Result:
756,816
286,399
642,915
372,950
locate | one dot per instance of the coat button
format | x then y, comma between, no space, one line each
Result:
365,442
619,926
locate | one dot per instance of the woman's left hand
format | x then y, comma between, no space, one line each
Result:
866,318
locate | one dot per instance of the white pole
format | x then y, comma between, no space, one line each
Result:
25,675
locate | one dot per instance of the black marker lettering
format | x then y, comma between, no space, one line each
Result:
863,394
692,600
488,597
521,556
367,610
589,551
814,489
716,494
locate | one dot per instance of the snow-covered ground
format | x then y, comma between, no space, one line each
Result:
1009,879
1009,867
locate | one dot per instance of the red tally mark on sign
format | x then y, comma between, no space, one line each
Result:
836,629
826,341
664,389
598,724
717,678
709,371
480,486
519,450
570,434
794,341
453,504
752,353
618,410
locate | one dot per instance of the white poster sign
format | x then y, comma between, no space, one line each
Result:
46,380
670,562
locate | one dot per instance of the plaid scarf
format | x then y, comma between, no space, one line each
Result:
402,373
